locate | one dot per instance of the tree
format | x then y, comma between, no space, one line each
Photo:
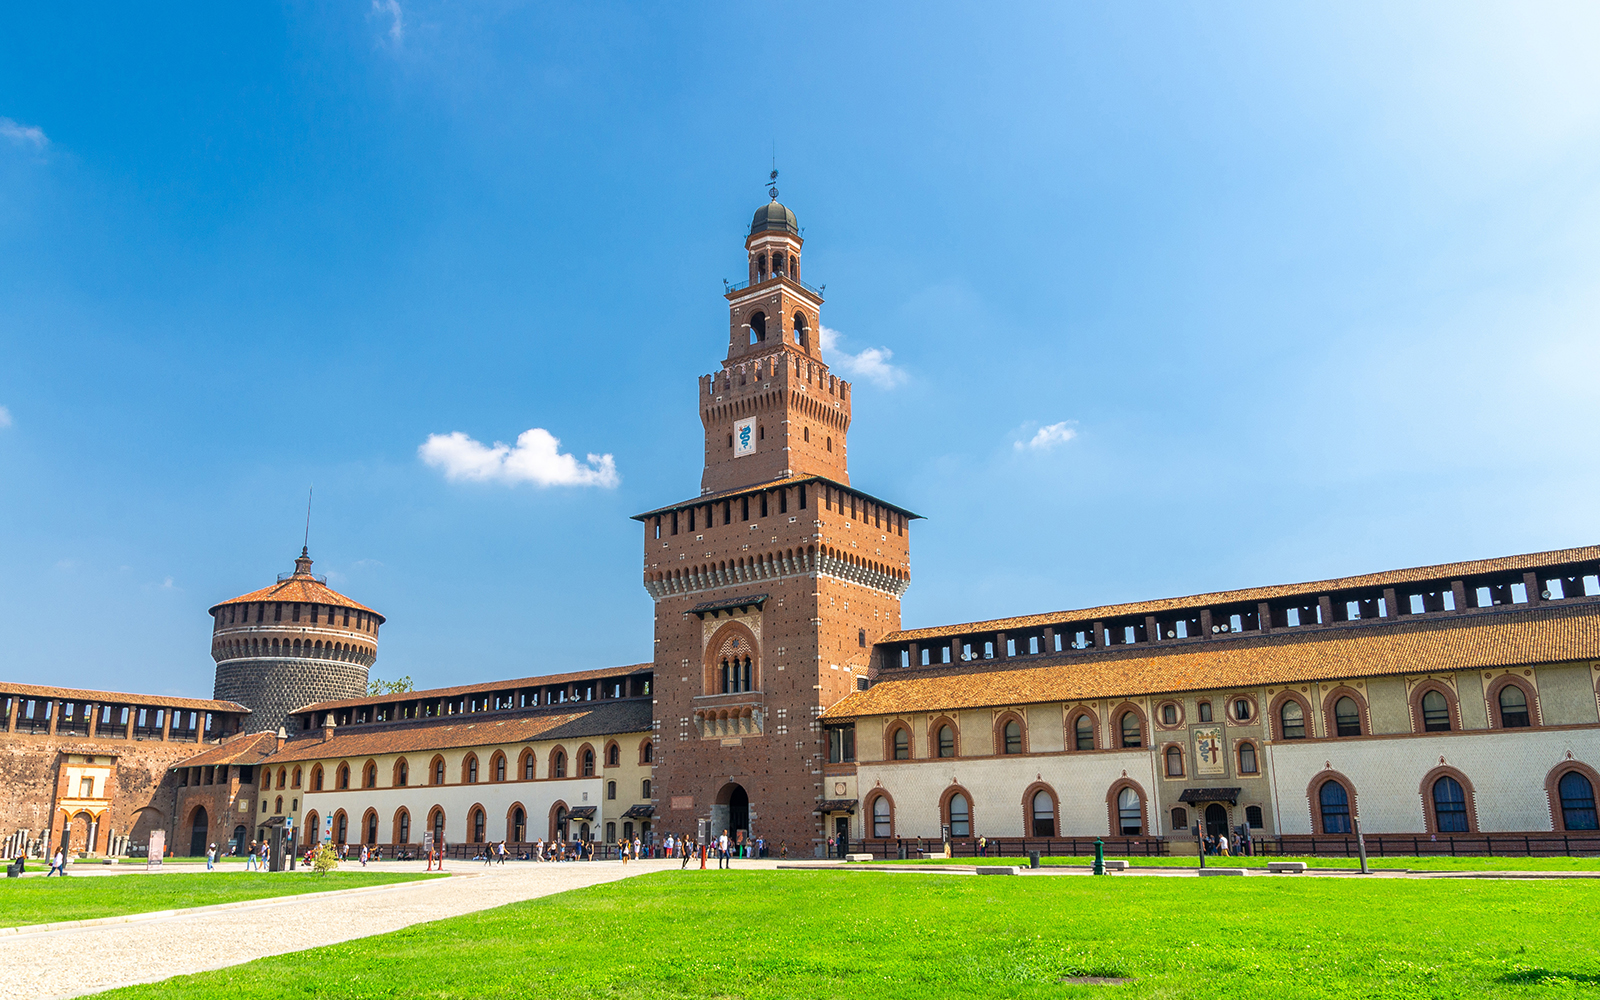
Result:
378,686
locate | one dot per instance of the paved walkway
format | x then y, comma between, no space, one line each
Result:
76,961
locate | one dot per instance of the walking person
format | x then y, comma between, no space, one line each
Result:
58,865
1222,845
250,858
364,855
211,857
723,847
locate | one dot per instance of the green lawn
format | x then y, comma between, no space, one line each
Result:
48,900
1429,863
755,935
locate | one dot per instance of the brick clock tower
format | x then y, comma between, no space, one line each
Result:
772,585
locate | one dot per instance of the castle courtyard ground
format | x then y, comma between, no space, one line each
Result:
652,930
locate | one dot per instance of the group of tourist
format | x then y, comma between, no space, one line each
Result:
1241,844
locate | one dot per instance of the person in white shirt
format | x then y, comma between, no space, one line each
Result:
722,851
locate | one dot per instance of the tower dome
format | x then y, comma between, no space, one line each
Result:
774,217
296,642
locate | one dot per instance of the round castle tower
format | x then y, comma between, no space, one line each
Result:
291,644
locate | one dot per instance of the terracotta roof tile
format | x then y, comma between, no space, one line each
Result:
548,679
119,698
774,484
303,589
1478,567
478,729
1546,634
246,748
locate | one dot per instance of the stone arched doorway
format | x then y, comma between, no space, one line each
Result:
731,812
1216,819
199,830
78,839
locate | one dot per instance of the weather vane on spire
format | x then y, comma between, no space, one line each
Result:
772,178
305,549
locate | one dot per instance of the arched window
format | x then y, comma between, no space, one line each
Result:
1450,806
1247,758
1169,715
369,777
758,327
1174,762
344,776
882,823
1293,718
296,779
1013,737
902,744
1180,819
316,778
499,767
313,827
800,331
1130,813
477,826
1335,803
402,828
1204,709
960,816
947,741
527,766
649,751
644,790
861,638
283,776
558,765
1577,802
1513,707
277,806
1131,733
588,763
611,789
438,828
1044,814
613,755
438,771
1083,731
611,833
372,828
1347,717
1435,712
341,825
402,773
472,770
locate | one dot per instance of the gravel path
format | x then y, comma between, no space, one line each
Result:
73,962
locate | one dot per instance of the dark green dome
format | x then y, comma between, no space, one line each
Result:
773,217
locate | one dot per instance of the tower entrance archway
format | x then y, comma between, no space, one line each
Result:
1216,820
731,812
199,832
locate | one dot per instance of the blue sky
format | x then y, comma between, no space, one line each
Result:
1140,300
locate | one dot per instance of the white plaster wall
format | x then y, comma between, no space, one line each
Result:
1507,771
1080,781
497,798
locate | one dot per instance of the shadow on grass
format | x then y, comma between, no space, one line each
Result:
1547,977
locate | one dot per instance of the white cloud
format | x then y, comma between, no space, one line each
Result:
397,23
536,458
871,364
1048,437
23,135
5,417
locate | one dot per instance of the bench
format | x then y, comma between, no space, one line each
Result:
1118,865
857,857
1286,867
1224,871
999,870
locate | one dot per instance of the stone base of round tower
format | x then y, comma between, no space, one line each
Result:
273,688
